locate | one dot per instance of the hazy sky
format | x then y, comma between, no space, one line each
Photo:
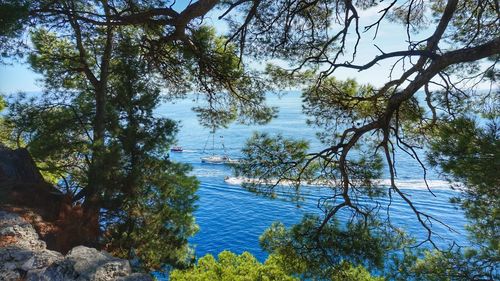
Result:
391,37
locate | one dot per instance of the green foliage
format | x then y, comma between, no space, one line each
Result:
453,264
343,100
278,161
147,200
57,60
470,154
13,15
283,79
335,105
271,159
348,272
467,152
329,251
210,68
273,33
230,266
4,129
150,199
232,92
56,135
471,23
152,224
3,104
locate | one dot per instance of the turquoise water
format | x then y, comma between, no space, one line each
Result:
232,218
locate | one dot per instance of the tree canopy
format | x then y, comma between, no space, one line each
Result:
360,123
230,266
435,79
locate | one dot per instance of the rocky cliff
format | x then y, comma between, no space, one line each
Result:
23,256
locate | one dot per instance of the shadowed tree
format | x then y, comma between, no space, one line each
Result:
106,65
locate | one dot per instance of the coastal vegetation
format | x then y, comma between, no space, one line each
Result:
229,266
107,65
93,130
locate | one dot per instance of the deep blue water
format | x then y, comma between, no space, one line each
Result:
232,218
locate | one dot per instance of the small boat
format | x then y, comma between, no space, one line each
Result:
215,158
176,149
219,159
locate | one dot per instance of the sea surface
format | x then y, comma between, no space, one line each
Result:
232,218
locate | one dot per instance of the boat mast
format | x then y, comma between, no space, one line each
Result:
213,142
223,146
212,132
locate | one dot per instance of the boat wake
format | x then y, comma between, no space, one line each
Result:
400,183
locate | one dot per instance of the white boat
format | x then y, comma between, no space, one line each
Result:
219,159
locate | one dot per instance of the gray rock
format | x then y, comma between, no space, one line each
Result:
112,270
23,233
58,271
7,231
16,261
11,258
15,254
10,219
25,257
23,250
41,259
34,274
85,264
99,266
11,275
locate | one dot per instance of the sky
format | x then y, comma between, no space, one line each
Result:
391,37
18,77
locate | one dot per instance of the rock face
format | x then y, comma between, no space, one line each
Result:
22,184
17,165
60,222
23,256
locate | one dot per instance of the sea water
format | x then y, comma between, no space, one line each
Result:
232,218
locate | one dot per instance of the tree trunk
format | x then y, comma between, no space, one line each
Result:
97,171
